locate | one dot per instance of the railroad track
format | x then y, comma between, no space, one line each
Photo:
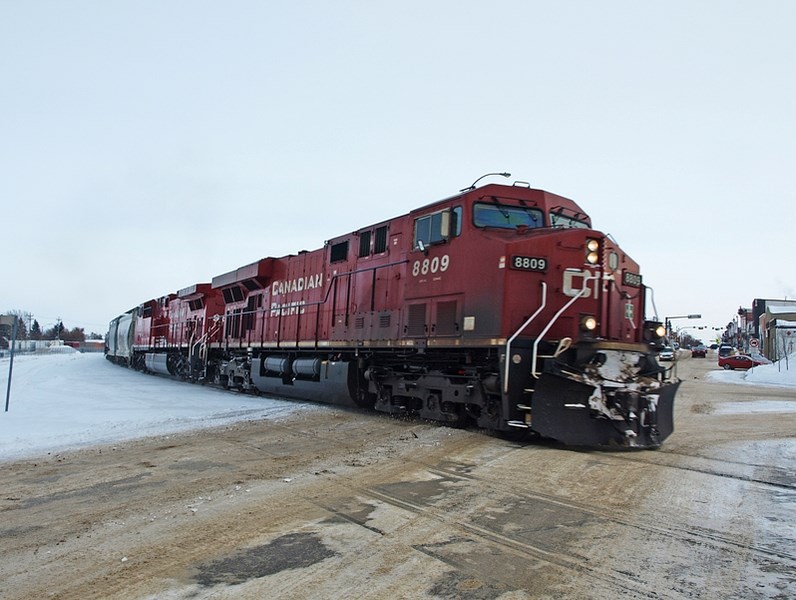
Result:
785,478
457,505
686,534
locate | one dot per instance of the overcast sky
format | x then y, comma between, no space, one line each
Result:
148,145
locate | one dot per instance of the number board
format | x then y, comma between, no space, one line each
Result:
529,263
631,279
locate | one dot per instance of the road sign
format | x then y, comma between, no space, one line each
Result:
753,342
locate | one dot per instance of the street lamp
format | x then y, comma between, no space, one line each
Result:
472,187
667,321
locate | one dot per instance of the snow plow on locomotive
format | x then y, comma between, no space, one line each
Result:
499,306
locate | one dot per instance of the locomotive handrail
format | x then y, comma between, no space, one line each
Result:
210,331
535,353
518,332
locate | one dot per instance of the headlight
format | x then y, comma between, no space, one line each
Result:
654,333
592,251
588,323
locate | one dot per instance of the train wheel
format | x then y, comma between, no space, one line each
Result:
454,415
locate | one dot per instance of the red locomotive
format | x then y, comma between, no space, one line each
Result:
500,306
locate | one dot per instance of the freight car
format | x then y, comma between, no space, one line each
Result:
499,307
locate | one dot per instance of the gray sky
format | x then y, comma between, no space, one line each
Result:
149,145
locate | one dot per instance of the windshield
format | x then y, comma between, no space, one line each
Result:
506,217
559,220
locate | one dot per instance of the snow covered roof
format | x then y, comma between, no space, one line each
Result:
781,309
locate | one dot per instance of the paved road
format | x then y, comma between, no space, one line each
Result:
336,504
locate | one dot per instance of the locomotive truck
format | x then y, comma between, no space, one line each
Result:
500,307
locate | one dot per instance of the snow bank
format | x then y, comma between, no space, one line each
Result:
780,373
66,401
72,400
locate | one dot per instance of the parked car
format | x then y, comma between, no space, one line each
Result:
741,361
699,352
714,346
666,353
725,350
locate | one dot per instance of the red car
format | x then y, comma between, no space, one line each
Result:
739,361
699,352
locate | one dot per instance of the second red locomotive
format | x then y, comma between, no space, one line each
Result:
500,306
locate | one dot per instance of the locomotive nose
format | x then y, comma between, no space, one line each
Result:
568,411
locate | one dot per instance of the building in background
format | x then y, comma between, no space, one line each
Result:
777,326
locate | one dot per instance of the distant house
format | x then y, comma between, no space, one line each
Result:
30,346
777,328
759,308
88,345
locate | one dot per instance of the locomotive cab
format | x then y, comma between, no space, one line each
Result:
578,366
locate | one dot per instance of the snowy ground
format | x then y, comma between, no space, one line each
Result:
781,374
64,401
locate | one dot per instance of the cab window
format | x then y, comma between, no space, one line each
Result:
438,227
506,217
559,220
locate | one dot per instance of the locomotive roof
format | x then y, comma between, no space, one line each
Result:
259,270
543,199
